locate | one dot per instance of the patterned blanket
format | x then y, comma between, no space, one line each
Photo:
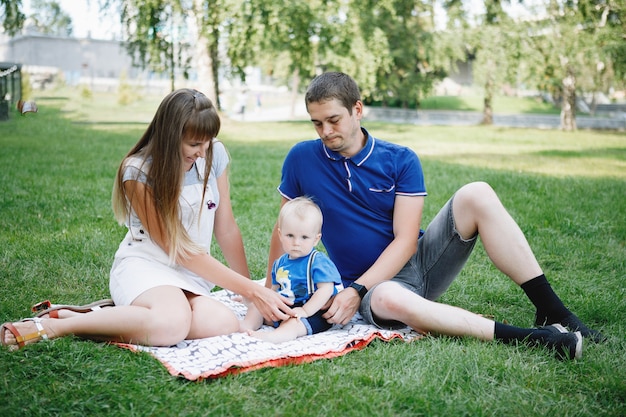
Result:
219,356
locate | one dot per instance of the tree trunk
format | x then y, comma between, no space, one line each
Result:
594,104
205,69
203,64
488,102
294,91
214,57
172,67
568,103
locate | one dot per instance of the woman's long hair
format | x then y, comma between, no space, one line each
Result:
183,114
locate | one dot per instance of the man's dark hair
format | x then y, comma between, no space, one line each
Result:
333,85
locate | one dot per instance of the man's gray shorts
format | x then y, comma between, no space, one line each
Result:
441,254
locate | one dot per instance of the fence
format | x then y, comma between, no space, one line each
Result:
10,87
466,118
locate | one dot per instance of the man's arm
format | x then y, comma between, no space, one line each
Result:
407,217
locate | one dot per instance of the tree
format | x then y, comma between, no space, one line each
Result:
155,35
178,36
402,31
12,16
211,20
610,70
50,19
494,44
389,47
287,38
297,31
579,47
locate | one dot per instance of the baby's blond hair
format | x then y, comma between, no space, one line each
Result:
301,207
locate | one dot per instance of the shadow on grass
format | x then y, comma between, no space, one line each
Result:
108,123
605,153
445,103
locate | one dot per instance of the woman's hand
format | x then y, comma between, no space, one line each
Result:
273,306
300,312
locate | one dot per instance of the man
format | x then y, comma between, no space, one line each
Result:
371,193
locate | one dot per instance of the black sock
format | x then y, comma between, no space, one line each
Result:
550,308
566,345
510,334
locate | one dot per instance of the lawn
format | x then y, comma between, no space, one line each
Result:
472,100
58,236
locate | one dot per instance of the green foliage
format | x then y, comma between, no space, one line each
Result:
85,92
402,33
611,40
58,236
156,35
12,17
242,29
392,48
577,48
495,48
301,32
27,88
50,19
125,93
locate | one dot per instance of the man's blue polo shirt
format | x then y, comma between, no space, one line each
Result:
356,196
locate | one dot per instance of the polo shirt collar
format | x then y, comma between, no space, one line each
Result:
360,157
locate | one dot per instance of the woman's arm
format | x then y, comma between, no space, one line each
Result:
271,305
226,230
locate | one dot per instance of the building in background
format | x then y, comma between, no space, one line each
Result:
94,63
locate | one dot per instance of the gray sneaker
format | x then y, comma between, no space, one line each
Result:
566,345
573,323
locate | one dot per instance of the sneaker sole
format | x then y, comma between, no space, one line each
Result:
579,342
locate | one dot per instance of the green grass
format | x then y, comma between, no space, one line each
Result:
58,237
473,101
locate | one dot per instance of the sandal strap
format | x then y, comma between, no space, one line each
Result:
45,307
40,306
39,334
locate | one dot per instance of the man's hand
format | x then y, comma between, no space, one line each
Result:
344,306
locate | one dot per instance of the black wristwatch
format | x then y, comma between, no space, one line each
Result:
360,289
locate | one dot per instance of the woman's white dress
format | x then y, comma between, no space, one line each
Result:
140,264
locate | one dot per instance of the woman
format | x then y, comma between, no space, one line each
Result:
172,193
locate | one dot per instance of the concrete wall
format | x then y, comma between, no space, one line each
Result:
94,62
97,57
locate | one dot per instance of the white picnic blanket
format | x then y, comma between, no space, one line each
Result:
218,356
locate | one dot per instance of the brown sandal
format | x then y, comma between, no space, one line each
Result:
45,307
22,340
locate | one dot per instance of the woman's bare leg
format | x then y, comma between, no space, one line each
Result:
210,318
159,317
